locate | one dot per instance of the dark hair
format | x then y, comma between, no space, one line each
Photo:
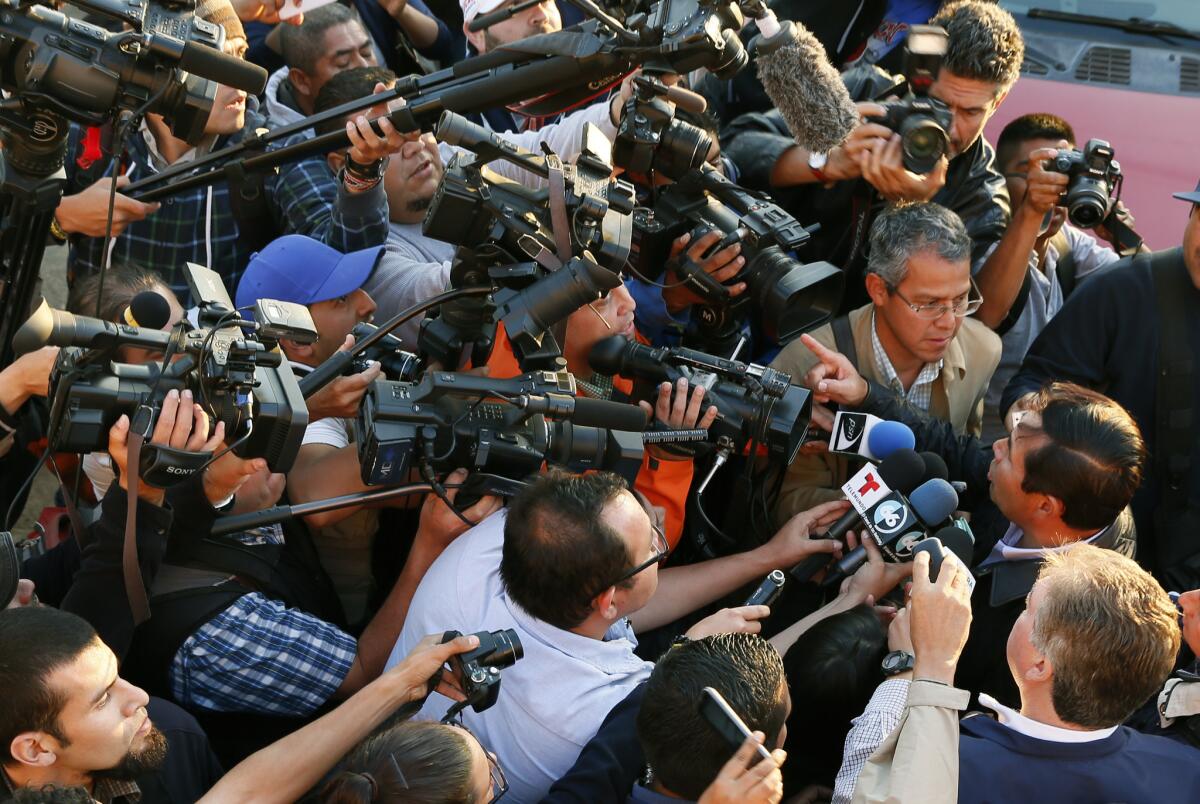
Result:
984,42
346,86
684,752
34,642
832,669
413,762
1093,458
302,45
1037,126
121,284
557,551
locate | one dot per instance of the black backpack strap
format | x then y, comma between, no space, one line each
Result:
843,338
1018,305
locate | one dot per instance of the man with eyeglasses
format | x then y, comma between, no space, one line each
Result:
913,337
572,565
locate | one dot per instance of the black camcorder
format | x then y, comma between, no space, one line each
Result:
478,670
921,121
1094,177
754,403
789,297
504,427
395,362
240,379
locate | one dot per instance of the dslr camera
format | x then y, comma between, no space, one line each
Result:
1094,176
921,121
239,378
395,362
479,670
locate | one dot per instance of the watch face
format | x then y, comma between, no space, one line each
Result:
896,661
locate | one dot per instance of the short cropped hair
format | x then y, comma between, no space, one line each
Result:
1036,126
684,752
1093,457
303,45
346,86
34,642
906,229
1110,632
984,44
558,553
121,284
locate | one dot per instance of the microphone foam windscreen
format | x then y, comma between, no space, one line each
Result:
606,413
605,356
149,309
887,437
903,470
809,92
935,466
934,501
957,541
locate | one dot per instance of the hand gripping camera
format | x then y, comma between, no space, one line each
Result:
479,670
1094,177
240,379
921,121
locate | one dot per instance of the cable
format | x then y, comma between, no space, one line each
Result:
10,514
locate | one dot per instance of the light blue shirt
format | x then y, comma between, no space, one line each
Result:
554,699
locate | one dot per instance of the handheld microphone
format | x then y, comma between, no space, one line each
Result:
801,82
935,466
865,436
147,309
768,591
902,471
952,539
898,524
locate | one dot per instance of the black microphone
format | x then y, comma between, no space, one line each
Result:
148,309
952,538
801,82
608,414
902,470
48,326
231,71
935,466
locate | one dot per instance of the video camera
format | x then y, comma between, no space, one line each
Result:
548,251
789,297
754,403
240,379
479,670
1094,178
921,121
394,360
445,421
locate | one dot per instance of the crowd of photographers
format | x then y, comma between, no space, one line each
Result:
738,607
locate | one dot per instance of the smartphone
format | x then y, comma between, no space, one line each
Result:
768,591
291,9
720,716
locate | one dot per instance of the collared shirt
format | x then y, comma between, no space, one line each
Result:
921,392
868,730
554,699
1040,731
1007,550
644,795
105,791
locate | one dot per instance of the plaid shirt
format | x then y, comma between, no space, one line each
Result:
922,390
868,731
199,225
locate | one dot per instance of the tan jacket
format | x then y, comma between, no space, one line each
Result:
957,397
918,762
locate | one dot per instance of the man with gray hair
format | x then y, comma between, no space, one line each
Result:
913,336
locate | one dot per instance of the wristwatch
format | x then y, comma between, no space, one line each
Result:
816,163
898,661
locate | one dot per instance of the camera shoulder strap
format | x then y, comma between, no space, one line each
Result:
135,588
843,338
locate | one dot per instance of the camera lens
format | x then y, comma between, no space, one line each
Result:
682,148
735,55
507,649
1087,202
923,142
794,297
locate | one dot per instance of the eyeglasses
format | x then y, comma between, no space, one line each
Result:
960,307
658,542
498,781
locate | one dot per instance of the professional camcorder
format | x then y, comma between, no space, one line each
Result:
479,670
240,379
754,403
504,427
1094,177
788,297
395,362
547,251
921,121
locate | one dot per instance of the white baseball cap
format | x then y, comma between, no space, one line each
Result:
473,8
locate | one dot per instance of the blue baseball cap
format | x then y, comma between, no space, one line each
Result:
1192,197
296,268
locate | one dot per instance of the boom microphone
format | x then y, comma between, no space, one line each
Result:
608,414
48,326
801,82
231,71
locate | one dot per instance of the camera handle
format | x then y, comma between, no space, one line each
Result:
278,513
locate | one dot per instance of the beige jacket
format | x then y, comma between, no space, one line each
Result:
918,762
957,397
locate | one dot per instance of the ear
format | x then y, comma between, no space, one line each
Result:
605,605
34,748
877,289
300,352
300,81
1050,506
475,38
1040,672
